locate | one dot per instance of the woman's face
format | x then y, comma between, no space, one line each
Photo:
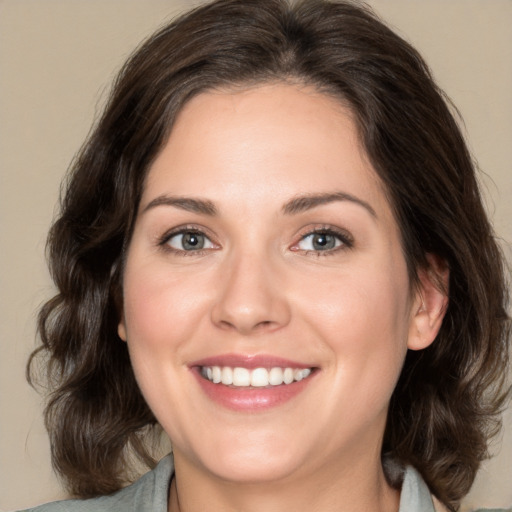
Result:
265,256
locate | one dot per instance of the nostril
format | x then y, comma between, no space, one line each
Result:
263,324
224,324
260,325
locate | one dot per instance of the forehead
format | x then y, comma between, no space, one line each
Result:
277,139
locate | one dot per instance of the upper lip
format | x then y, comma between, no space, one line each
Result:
249,361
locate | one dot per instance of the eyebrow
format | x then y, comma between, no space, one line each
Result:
303,203
294,206
202,206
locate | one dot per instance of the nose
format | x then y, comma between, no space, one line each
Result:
251,298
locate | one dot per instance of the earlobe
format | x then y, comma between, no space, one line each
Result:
117,294
430,303
121,329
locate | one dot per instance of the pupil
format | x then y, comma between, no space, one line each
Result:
323,241
193,241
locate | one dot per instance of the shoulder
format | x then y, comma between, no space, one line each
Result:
149,493
416,496
493,510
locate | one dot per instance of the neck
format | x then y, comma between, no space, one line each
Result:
361,487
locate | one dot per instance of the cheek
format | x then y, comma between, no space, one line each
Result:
359,301
161,315
160,310
363,318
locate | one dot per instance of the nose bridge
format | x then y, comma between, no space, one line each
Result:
250,298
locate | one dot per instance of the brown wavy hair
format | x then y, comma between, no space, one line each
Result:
447,402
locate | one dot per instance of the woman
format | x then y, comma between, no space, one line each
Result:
273,246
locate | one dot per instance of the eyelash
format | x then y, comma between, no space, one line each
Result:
346,239
163,242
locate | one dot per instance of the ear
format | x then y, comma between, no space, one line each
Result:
121,328
117,296
430,303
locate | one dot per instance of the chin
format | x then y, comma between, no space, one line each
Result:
255,469
252,460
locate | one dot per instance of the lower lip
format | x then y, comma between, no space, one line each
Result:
251,399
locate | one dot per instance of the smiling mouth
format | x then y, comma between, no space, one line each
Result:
254,378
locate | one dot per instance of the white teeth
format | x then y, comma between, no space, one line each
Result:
241,377
216,374
288,375
301,374
275,376
258,377
227,376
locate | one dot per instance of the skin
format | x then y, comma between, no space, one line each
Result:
258,287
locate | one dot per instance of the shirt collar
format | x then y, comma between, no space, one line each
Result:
415,496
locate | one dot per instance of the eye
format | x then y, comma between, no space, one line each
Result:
189,241
324,240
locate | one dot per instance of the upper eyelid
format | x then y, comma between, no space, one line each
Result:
342,233
186,228
186,231
345,237
162,241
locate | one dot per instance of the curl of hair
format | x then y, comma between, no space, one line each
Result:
447,402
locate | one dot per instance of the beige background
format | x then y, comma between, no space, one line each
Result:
57,58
